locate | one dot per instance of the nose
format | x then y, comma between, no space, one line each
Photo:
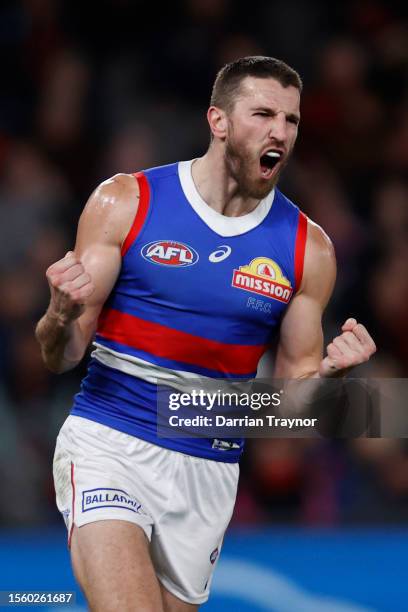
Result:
278,127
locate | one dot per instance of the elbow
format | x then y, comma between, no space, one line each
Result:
58,366
62,366
54,368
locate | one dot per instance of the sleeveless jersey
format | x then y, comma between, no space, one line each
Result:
198,294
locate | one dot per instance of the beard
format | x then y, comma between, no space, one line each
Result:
243,165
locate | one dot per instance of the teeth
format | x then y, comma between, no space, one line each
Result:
273,154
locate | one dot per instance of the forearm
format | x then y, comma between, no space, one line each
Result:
310,396
303,383
62,342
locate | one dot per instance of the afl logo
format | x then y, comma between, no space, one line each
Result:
169,253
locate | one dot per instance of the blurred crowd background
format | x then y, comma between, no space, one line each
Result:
92,89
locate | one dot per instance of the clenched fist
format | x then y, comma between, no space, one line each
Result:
353,347
70,286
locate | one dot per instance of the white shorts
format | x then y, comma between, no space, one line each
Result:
182,503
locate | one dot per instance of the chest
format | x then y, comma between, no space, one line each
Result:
195,270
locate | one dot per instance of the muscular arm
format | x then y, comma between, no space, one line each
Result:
300,349
81,282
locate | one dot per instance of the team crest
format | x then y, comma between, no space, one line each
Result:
263,276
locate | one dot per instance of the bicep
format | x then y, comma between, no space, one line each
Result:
104,224
300,347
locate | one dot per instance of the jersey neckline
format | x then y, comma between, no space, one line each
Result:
221,224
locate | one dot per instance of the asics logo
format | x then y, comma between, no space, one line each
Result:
220,254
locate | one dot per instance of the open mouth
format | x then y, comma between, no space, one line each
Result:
268,162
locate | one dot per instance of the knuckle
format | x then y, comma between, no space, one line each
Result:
65,286
65,292
50,274
73,264
55,281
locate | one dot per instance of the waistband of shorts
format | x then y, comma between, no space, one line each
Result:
185,446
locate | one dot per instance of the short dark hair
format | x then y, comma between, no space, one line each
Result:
228,81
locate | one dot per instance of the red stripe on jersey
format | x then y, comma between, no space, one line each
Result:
168,343
142,210
300,245
73,505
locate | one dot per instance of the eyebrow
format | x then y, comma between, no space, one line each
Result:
271,112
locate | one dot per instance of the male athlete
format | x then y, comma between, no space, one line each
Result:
181,271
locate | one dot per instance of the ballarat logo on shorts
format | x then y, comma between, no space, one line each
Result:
169,253
263,276
109,498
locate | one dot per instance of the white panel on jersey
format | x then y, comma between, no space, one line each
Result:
221,224
158,375
150,372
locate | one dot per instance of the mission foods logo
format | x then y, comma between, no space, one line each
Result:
263,276
169,253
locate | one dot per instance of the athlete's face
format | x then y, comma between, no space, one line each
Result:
264,120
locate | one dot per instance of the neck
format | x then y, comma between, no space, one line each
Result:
217,187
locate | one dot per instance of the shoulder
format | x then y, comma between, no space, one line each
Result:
318,243
112,206
118,188
319,263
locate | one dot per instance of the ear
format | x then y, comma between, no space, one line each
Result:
217,120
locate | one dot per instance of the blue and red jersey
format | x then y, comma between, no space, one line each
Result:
199,294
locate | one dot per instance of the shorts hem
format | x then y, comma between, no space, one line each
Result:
146,528
174,590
